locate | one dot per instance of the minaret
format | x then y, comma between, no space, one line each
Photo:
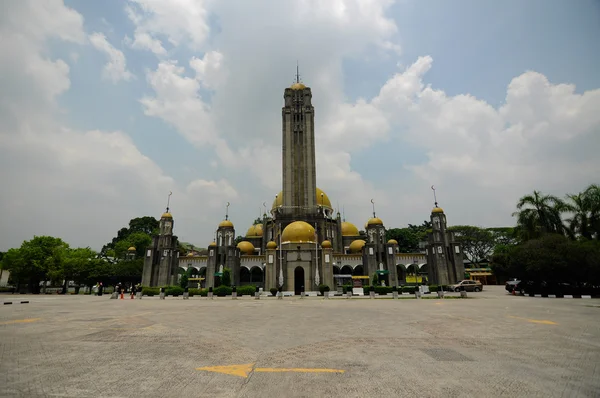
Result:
161,259
299,168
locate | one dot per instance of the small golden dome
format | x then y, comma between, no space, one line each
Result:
437,210
246,247
326,244
357,245
212,244
225,223
271,245
131,249
375,221
166,215
392,242
297,86
254,231
297,232
190,254
349,229
324,201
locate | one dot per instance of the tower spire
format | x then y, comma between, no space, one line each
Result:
373,202
297,72
227,211
169,200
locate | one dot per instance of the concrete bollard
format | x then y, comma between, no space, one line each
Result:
138,295
280,293
114,295
186,294
417,294
210,293
302,292
233,293
463,292
440,292
162,293
326,294
372,291
395,292
257,293
349,293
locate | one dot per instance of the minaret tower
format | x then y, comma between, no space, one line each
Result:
299,169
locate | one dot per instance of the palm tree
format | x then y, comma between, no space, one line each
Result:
592,195
579,223
538,214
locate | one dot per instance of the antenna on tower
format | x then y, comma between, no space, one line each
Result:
297,72
373,202
434,197
169,200
227,211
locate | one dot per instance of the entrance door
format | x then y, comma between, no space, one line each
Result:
298,280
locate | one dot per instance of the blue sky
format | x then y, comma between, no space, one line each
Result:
471,96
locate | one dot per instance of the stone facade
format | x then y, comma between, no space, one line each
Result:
444,253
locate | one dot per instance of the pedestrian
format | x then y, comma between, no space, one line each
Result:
100,287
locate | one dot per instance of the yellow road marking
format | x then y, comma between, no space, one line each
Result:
245,369
540,321
20,321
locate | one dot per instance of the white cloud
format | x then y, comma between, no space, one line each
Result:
116,67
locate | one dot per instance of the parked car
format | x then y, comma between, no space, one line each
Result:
469,285
515,285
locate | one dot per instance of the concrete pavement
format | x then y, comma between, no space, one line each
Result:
492,345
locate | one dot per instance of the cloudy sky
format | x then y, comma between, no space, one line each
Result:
107,106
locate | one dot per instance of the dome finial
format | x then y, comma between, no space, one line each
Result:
169,201
297,72
227,211
434,197
373,207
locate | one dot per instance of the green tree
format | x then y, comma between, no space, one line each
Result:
238,239
183,282
585,210
138,234
477,243
408,240
538,214
226,278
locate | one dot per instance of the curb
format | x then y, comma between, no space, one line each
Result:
567,296
16,302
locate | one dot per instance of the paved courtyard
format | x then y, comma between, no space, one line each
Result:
491,345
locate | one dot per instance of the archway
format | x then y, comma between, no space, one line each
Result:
336,270
256,276
346,270
358,271
401,270
298,280
245,276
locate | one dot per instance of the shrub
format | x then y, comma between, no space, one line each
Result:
247,290
150,291
273,291
222,291
323,289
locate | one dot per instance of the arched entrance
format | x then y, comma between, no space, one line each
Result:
298,280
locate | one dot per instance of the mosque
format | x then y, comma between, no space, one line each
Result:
303,243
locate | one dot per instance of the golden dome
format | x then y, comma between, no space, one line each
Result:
392,242
325,201
246,247
212,244
297,86
225,223
166,215
326,244
357,245
297,232
349,229
254,231
437,210
375,221
131,249
190,254
271,245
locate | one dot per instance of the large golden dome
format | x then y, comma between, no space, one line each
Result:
392,242
325,201
357,245
166,215
225,223
246,247
349,229
298,232
297,86
255,231
437,210
375,221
